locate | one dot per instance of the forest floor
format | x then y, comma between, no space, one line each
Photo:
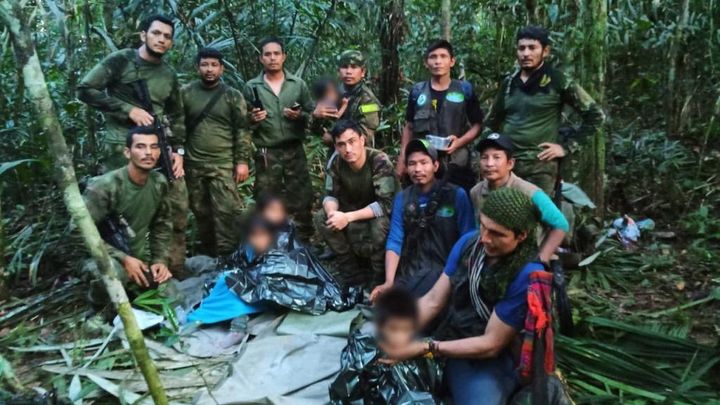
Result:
658,297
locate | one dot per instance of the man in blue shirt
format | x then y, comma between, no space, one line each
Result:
428,217
483,296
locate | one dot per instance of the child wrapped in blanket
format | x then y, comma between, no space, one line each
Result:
363,378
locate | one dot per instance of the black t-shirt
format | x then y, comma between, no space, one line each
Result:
472,106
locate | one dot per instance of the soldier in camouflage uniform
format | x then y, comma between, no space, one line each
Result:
528,106
218,151
279,118
111,87
139,195
358,103
354,220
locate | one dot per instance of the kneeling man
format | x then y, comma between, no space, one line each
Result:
360,187
134,198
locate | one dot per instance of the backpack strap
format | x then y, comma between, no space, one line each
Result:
195,121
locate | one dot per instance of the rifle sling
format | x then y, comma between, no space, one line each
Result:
194,122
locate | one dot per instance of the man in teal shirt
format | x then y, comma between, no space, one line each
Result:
528,110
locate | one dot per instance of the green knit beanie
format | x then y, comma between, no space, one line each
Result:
511,208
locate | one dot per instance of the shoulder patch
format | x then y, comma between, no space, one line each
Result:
369,108
422,99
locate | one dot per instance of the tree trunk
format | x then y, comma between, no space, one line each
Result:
11,15
593,18
446,20
392,34
672,102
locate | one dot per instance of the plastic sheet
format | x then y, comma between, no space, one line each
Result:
362,380
294,280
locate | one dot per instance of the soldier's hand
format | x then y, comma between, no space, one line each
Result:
160,273
140,117
324,111
178,169
242,172
454,144
136,269
258,115
551,151
337,220
291,114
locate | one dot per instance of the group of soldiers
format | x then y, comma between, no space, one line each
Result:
219,135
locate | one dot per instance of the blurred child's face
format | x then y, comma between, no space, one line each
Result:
331,96
275,213
398,332
260,241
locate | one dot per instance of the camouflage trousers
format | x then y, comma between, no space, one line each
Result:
362,241
216,204
283,172
113,158
540,173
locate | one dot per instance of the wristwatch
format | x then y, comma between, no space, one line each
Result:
180,151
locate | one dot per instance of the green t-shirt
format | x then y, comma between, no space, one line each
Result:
145,208
222,138
109,88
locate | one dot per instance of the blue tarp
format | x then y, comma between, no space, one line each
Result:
221,305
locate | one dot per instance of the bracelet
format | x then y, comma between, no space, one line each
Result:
435,348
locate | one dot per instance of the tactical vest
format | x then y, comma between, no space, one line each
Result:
461,319
430,234
450,120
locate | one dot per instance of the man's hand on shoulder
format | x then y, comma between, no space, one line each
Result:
140,117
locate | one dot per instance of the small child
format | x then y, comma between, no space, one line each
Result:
261,237
363,379
326,91
396,318
272,209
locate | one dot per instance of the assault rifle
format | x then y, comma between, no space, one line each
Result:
162,129
114,230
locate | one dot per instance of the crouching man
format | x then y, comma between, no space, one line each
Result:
354,220
131,208
483,296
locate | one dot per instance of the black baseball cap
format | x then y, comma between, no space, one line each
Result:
498,141
420,145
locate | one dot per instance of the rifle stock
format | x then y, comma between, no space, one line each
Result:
162,128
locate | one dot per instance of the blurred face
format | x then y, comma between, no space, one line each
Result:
421,168
275,213
272,57
439,62
531,54
211,70
495,165
331,96
398,332
498,240
352,74
260,240
350,146
144,151
158,39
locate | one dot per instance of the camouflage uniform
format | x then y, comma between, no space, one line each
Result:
214,147
363,107
280,161
145,208
373,186
109,88
530,114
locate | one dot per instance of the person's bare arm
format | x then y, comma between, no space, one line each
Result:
465,139
497,337
432,303
404,139
549,246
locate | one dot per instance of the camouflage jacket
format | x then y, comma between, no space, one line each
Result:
530,112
